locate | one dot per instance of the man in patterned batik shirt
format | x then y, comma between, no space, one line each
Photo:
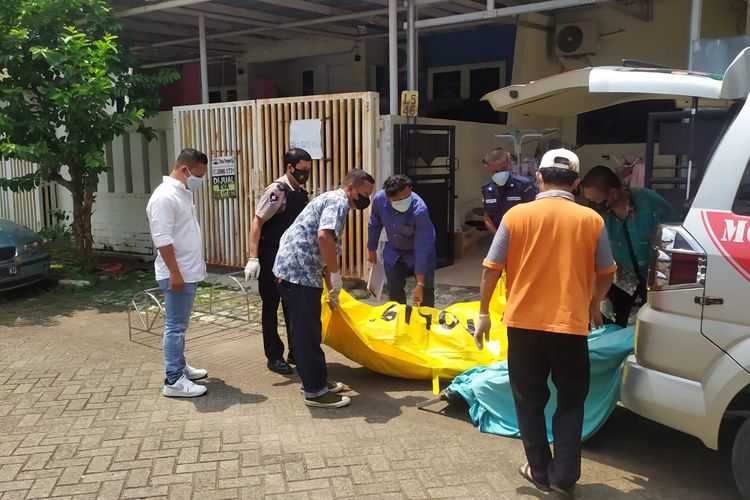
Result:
308,254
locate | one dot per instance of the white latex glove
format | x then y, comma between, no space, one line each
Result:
252,268
607,309
332,300
336,284
482,332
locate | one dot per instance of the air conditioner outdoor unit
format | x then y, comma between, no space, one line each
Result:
576,39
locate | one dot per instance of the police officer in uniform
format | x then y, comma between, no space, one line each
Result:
505,190
281,203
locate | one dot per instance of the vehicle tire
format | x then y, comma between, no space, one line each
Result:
741,459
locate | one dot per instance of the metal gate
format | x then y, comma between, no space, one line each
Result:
25,207
257,134
427,154
682,136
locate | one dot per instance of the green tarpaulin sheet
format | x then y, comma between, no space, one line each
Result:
487,389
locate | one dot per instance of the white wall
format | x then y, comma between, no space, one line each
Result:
119,223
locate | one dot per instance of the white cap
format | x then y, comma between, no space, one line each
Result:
560,158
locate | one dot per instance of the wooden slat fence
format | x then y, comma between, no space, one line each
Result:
221,130
257,133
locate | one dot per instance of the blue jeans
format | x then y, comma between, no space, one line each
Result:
396,275
177,309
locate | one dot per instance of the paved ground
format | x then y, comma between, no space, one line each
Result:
82,417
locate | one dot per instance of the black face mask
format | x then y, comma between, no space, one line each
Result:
362,202
599,206
300,176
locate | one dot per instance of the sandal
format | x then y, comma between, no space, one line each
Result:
525,471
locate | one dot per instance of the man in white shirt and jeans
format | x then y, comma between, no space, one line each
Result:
179,265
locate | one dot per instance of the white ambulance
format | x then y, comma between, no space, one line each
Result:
691,367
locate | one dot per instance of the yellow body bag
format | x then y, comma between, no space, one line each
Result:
414,343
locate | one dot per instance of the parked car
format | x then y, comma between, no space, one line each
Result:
23,259
691,367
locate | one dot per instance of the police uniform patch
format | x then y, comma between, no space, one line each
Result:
273,198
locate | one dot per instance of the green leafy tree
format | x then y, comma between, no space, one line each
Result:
62,73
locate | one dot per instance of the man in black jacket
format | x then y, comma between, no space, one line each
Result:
281,203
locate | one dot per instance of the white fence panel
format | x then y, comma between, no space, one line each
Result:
24,207
222,130
256,133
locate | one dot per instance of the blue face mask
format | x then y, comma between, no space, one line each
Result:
192,182
500,178
402,205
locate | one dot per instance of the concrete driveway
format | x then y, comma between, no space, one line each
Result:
83,417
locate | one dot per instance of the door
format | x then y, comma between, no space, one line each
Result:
720,220
426,154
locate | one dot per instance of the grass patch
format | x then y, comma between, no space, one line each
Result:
106,291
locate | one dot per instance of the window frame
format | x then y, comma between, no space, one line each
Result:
225,88
465,70
744,181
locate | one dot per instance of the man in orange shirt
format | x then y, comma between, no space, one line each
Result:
558,266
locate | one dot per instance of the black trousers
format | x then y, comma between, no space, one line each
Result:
532,356
303,306
396,281
622,303
269,294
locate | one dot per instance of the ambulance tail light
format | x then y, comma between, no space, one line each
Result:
677,260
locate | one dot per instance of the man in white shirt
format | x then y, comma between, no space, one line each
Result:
179,265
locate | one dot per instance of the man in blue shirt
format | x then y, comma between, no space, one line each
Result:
505,190
309,254
410,249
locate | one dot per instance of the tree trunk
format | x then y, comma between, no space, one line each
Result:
83,190
82,209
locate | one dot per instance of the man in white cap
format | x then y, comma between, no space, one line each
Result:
558,266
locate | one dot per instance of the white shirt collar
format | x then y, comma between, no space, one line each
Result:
556,193
174,182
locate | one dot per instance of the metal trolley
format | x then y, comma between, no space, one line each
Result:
224,302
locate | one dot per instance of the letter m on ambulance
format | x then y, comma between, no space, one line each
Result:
730,234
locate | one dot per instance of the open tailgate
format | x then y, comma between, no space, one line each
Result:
587,89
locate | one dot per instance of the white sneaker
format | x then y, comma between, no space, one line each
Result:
194,373
184,388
